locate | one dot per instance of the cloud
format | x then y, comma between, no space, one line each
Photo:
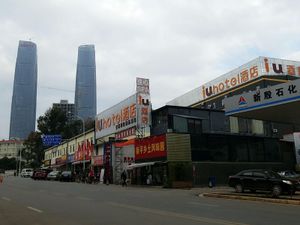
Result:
178,45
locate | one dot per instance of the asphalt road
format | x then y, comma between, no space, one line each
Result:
27,202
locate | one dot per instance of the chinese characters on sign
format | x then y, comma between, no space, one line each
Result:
278,92
126,133
142,85
151,147
84,151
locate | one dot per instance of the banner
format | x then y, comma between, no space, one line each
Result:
150,147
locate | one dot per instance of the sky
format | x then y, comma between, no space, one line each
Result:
178,44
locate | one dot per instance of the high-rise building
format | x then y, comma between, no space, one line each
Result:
23,106
85,90
68,108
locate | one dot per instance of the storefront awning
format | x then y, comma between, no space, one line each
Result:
79,162
136,165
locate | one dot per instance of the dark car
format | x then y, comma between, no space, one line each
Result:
40,174
262,180
67,176
292,175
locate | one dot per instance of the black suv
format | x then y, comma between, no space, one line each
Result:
262,180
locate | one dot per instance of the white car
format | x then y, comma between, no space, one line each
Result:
27,172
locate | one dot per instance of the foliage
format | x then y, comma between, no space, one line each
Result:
33,152
8,163
53,122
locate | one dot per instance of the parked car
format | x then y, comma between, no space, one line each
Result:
262,180
54,175
67,176
290,174
26,172
40,174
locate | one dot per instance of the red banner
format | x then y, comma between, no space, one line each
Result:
84,151
150,147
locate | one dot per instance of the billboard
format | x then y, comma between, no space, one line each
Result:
263,98
51,140
150,148
261,66
133,112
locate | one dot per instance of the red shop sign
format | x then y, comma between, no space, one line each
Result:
150,147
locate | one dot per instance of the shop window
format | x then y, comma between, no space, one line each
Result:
256,150
272,150
238,149
194,126
257,127
234,124
180,124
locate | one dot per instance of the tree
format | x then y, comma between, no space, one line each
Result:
53,122
8,163
33,152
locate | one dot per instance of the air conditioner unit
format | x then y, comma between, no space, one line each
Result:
275,130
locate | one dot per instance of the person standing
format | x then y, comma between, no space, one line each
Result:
124,178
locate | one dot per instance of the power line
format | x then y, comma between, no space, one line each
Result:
57,89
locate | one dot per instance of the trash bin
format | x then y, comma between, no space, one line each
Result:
212,181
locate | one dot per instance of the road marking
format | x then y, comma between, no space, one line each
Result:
58,194
6,199
83,198
203,204
178,215
34,209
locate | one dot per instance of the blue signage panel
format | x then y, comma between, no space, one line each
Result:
51,140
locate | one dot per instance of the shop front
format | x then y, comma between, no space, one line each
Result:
150,167
82,157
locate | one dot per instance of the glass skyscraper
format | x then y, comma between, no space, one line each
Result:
23,106
85,90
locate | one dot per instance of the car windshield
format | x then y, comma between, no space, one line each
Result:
272,174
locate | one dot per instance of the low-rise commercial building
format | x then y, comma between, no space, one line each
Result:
10,148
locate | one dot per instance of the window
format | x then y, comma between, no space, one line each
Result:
180,124
238,149
234,124
247,174
194,126
259,175
257,127
256,150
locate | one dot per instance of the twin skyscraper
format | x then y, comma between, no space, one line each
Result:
23,107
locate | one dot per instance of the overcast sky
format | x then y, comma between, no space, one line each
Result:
177,44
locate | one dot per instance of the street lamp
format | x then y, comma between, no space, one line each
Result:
20,161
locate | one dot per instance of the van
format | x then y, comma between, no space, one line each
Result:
27,172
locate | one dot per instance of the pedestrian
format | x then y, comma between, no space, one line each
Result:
124,178
1,178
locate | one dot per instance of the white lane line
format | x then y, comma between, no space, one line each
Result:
203,204
202,220
34,209
83,198
6,199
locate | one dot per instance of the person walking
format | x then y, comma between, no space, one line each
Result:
124,178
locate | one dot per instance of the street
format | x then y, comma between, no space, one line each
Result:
24,201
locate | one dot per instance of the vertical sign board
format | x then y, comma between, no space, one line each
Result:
107,160
143,102
297,146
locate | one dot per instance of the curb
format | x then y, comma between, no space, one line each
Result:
250,198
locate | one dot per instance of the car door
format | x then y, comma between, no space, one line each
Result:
260,181
247,180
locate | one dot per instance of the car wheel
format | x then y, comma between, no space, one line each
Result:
276,190
239,188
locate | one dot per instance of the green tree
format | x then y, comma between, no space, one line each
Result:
33,152
53,122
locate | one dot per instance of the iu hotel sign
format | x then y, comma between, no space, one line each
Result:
135,111
262,98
